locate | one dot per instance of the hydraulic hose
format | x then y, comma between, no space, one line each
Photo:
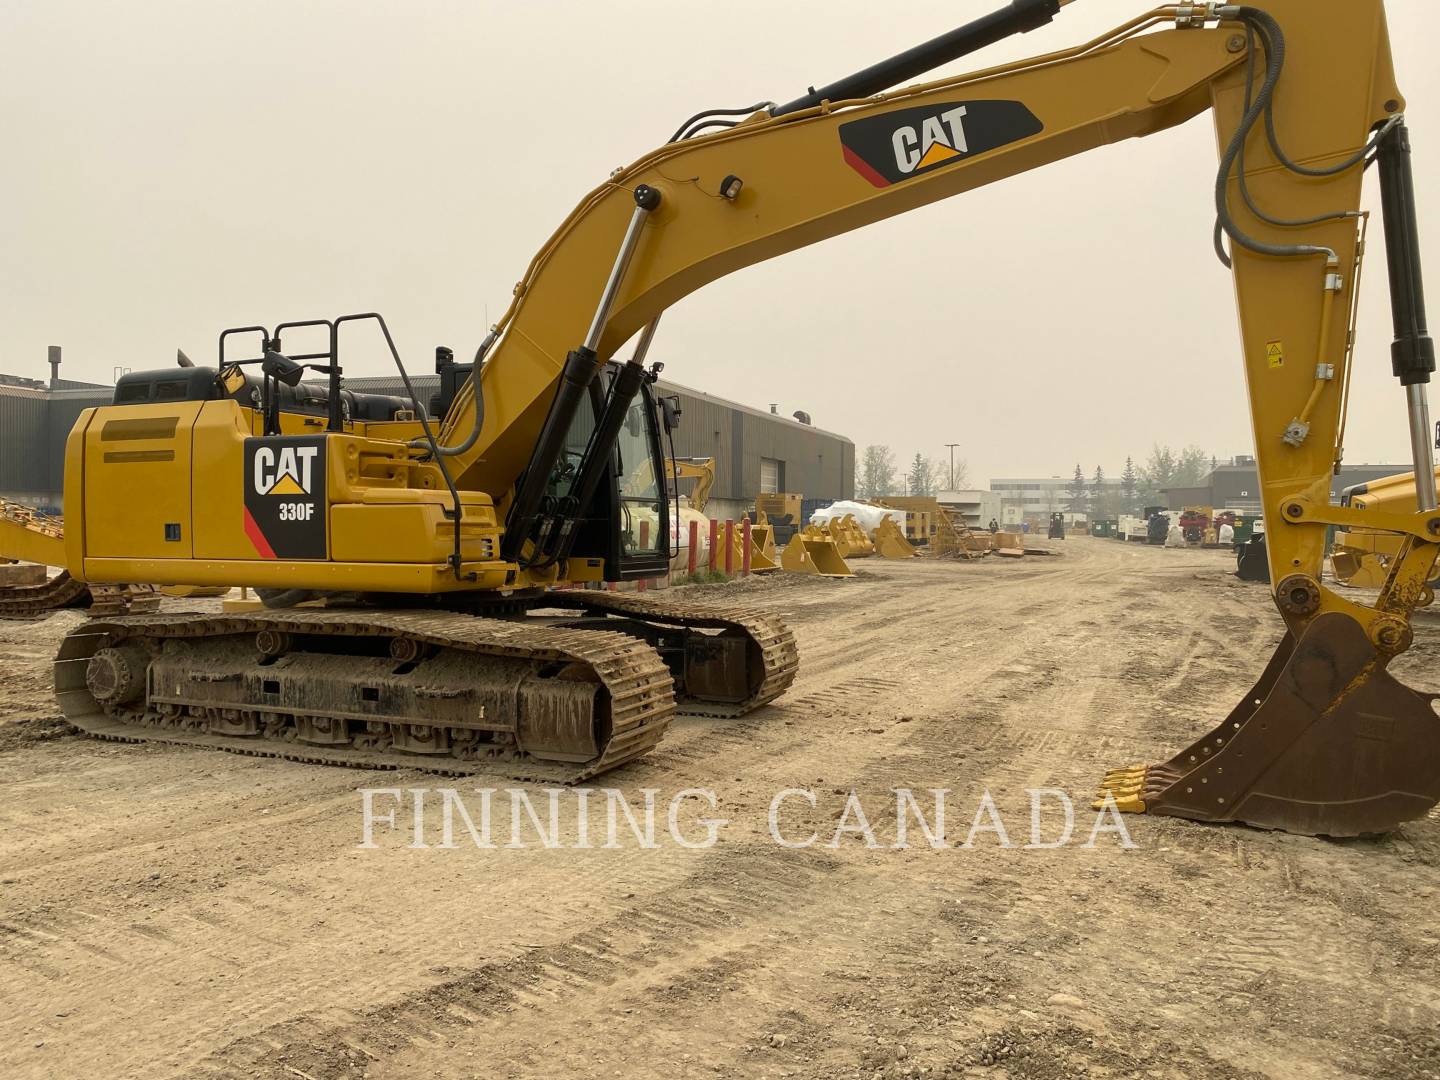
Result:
1274,40
479,406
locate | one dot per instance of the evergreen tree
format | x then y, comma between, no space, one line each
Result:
1076,488
919,476
1101,497
1129,487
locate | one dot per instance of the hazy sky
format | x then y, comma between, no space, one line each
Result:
173,168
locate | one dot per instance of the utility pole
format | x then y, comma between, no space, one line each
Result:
952,446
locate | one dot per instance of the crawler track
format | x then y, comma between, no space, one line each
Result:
552,690
770,636
63,591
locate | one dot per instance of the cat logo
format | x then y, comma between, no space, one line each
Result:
285,507
888,147
284,470
940,138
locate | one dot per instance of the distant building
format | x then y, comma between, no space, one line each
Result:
975,507
1035,498
35,418
1236,485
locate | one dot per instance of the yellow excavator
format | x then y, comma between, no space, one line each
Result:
1362,557
448,535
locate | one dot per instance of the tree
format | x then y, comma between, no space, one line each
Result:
1102,498
1191,467
1167,469
877,472
920,478
939,475
1076,488
1129,487
1159,470
961,479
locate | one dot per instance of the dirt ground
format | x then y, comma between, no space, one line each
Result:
171,912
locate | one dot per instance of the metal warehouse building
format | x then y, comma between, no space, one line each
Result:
754,450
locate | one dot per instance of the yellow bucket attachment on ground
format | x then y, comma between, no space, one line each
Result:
759,560
809,555
764,538
850,538
890,541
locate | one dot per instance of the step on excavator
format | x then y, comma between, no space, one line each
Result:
452,535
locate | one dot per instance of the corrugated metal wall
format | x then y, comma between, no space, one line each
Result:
24,445
817,464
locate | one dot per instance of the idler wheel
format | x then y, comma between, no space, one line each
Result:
116,676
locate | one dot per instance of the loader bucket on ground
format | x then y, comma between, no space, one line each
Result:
806,555
1328,743
890,542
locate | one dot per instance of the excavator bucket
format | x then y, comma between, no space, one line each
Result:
1327,743
851,538
808,555
890,542
759,561
763,537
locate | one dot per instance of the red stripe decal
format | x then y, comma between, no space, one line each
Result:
863,168
252,530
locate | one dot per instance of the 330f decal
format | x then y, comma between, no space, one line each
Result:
904,143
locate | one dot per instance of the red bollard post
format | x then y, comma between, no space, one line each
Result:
745,547
694,542
714,546
643,583
729,548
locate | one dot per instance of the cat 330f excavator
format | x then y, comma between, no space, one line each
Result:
452,534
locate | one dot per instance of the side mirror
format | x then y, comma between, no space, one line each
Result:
282,368
670,411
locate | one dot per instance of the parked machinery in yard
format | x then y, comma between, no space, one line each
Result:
784,513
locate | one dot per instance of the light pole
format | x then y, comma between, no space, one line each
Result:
952,446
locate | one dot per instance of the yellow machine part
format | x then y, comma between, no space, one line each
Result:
850,538
764,537
31,537
809,555
759,561
188,592
890,542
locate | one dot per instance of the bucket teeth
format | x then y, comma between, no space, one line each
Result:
1128,804
1115,775
1128,788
